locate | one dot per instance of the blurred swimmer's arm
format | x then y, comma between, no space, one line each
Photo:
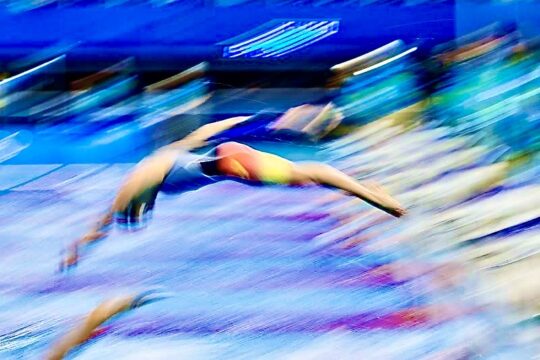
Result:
199,137
85,331
148,173
323,174
90,326
98,232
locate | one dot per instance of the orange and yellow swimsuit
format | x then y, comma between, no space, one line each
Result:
231,161
241,161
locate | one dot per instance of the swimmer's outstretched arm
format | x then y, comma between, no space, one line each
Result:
102,313
326,175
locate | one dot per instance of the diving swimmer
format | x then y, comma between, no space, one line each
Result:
175,169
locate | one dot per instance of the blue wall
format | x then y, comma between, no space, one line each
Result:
190,33
163,36
471,16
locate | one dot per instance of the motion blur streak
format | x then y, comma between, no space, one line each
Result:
448,123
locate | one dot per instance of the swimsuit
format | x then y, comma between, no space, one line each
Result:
185,175
239,161
231,160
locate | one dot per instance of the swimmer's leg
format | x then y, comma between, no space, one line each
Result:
101,314
200,137
329,118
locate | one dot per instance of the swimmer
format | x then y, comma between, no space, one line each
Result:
175,169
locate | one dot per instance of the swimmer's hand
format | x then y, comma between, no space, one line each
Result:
394,208
70,259
397,211
72,255
386,202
